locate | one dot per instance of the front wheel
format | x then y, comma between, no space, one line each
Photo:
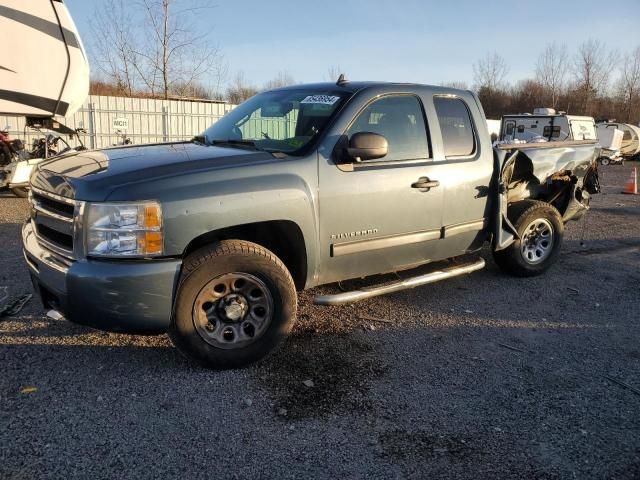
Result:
540,229
236,302
604,161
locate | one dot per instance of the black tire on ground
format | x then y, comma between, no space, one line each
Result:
223,260
541,231
604,161
21,192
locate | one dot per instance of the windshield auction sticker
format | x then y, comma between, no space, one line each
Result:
321,99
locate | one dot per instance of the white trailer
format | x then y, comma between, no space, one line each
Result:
44,71
630,146
545,124
610,139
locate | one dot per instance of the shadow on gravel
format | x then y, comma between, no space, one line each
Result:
610,245
340,367
634,211
402,445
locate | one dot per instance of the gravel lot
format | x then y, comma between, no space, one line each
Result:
484,376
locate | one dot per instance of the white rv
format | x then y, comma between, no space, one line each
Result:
545,124
43,74
44,71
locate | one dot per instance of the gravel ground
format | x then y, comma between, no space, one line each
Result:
485,376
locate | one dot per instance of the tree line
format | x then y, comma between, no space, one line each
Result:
159,49
594,80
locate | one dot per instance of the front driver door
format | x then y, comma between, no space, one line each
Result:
374,217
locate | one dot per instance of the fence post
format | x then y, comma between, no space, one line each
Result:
165,125
92,126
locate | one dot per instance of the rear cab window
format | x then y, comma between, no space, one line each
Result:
458,136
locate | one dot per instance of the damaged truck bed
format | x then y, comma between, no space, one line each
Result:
562,174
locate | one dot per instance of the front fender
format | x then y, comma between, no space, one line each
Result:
194,205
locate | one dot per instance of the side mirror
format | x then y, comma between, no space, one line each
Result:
365,146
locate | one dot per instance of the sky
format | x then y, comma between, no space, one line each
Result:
404,40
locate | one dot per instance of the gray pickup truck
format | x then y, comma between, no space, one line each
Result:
210,239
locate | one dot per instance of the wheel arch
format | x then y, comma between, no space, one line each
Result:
282,237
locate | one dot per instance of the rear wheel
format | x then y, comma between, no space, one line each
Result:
604,161
236,302
21,192
540,228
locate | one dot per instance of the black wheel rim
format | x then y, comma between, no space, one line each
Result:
233,310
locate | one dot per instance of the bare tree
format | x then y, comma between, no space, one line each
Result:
114,45
551,70
283,79
592,68
164,54
490,72
239,89
629,85
175,52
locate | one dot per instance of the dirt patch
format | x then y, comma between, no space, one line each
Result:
316,375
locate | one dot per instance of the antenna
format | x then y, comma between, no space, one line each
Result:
342,80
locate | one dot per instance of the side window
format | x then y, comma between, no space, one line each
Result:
401,121
510,127
555,133
456,126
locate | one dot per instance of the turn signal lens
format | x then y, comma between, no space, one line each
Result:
152,216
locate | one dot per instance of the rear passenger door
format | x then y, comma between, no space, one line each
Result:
466,168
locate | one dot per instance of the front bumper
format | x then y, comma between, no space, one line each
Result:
118,296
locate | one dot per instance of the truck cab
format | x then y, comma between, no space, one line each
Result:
210,240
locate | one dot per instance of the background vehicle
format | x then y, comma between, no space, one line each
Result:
297,187
45,75
15,175
630,142
610,138
545,124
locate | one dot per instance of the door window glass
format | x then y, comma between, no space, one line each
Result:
401,121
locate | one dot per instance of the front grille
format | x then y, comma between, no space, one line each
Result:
60,239
64,209
53,221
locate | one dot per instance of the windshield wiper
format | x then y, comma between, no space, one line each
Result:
232,142
248,143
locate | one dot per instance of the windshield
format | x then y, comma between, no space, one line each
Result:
281,121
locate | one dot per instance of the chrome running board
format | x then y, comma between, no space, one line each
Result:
368,292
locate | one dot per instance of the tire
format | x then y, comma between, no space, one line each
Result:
236,302
541,230
604,161
21,192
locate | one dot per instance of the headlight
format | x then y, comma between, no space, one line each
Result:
124,229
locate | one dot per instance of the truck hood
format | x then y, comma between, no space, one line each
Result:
93,174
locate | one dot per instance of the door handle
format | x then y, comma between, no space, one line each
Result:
424,183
